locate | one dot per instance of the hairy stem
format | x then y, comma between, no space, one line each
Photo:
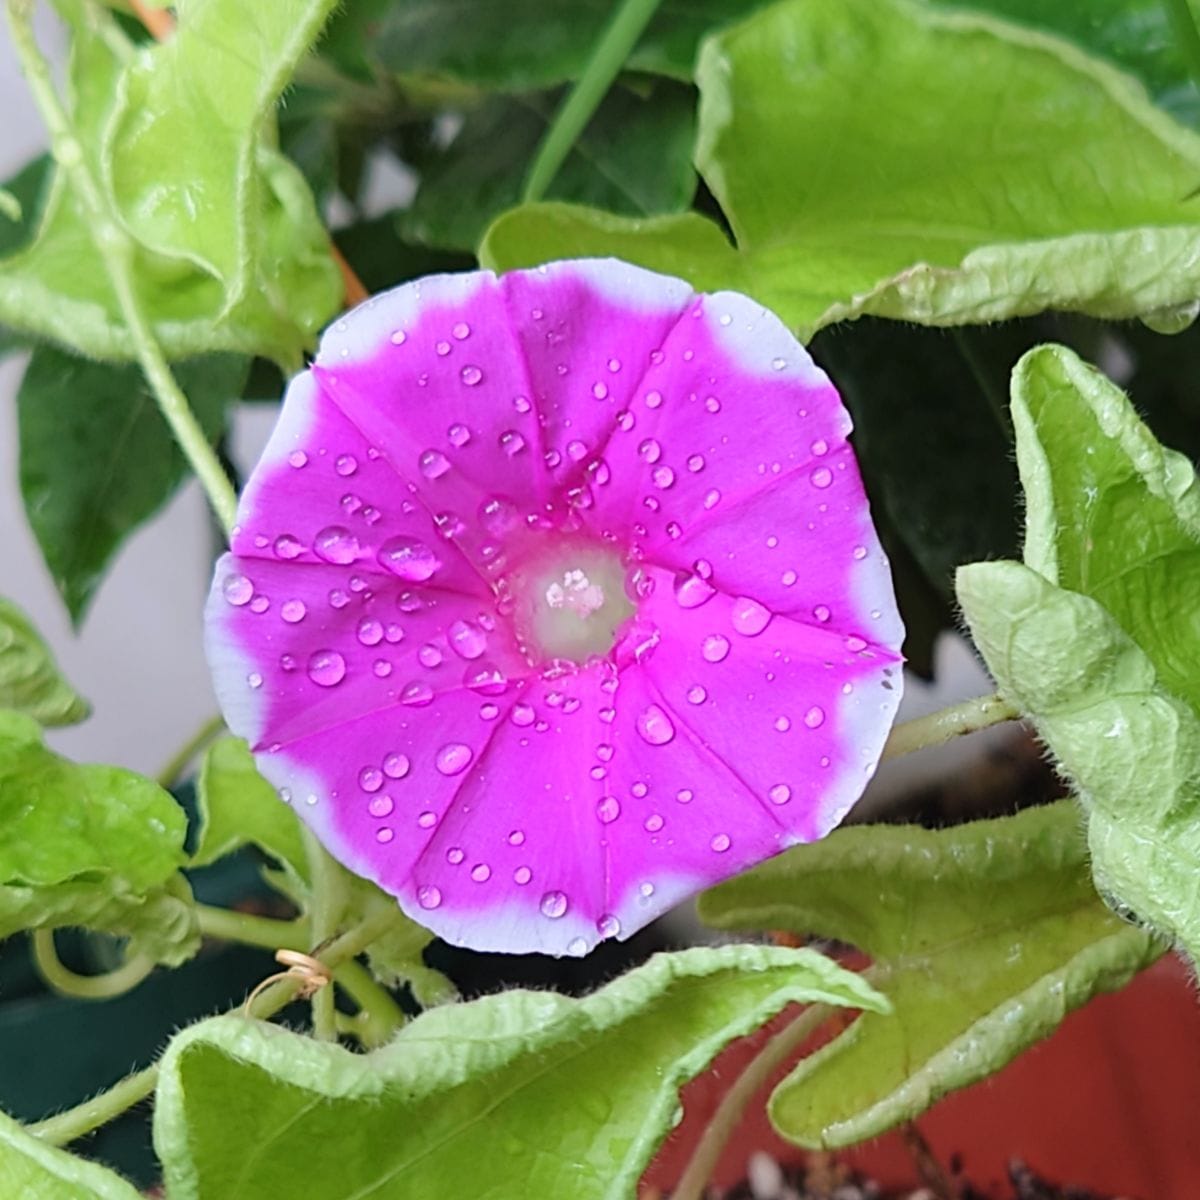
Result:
947,723
378,1016
117,250
197,742
86,987
91,1114
706,1155
328,904
265,932
609,56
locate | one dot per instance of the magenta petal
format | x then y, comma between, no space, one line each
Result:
556,598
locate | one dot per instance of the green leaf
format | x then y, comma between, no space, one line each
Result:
97,458
983,937
1136,35
574,1094
32,1170
89,845
230,253
30,681
1130,747
237,806
880,157
28,188
635,156
527,44
1110,512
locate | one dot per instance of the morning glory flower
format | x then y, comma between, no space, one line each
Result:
555,598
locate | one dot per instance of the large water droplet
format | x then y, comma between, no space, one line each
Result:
429,896
370,631
336,544
455,855
429,656
512,443
396,766
655,726
417,694
433,464
815,717
822,477
370,779
650,451
749,617
346,464
715,648
653,823
608,810
523,715
452,758
692,590
292,611
326,668
237,589
288,547
554,905
608,926
408,558
663,477
481,872
467,639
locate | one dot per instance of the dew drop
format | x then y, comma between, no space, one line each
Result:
608,926
346,464
467,639
696,694
720,843
625,420
712,498
382,668
237,590
859,553
655,726
370,631
554,905
396,766
777,364
427,820
685,795
780,794
255,680
715,648
512,443
471,375
288,547
298,459
788,578
522,715
461,331
820,447
326,668
442,348
783,724
822,613
822,477
370,779
408,558
692,590
380,806
600,391
653,823
695,463
455,855
429,656
749,617
287,662
516,838
433,464
663,477
452,758
650,451
712,404
292,611
522,875
399,337
429,896
458,435
855,644
481,872
608,810
417,694
815,717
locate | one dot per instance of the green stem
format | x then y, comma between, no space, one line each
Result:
328,904
613,48
91,1114
378,1016
117,248
205,734
1180,12
948,723
693,1183
86,987
265,932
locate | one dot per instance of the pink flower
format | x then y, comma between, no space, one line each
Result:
555,598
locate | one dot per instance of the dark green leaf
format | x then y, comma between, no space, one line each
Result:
574,1095
635,156
983,937
29,677
97,458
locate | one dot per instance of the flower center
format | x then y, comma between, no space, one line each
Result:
570,601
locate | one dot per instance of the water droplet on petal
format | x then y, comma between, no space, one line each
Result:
417,694
600,391
467,639
255,680
298,459
859,553
429,656
554,905
433,464
695,463
292,611
685,795
370,631
721,843
815,717
288,547
442,348
820,447
522,715
653,823
663,477
396,766
692,590
461,331
783,724
777,364
522,875
654,399
452,758
326,668
608,810
650,451
512,443
516,838
408,558
822,613
399,338
749,617
780,793
608,926
715,648
696,694
822,477
481,872
788,578
655,726
237,589
471,375
855,644
712,498
380,806
346,464
370,779
429,896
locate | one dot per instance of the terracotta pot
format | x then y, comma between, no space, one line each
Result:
1109,1102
